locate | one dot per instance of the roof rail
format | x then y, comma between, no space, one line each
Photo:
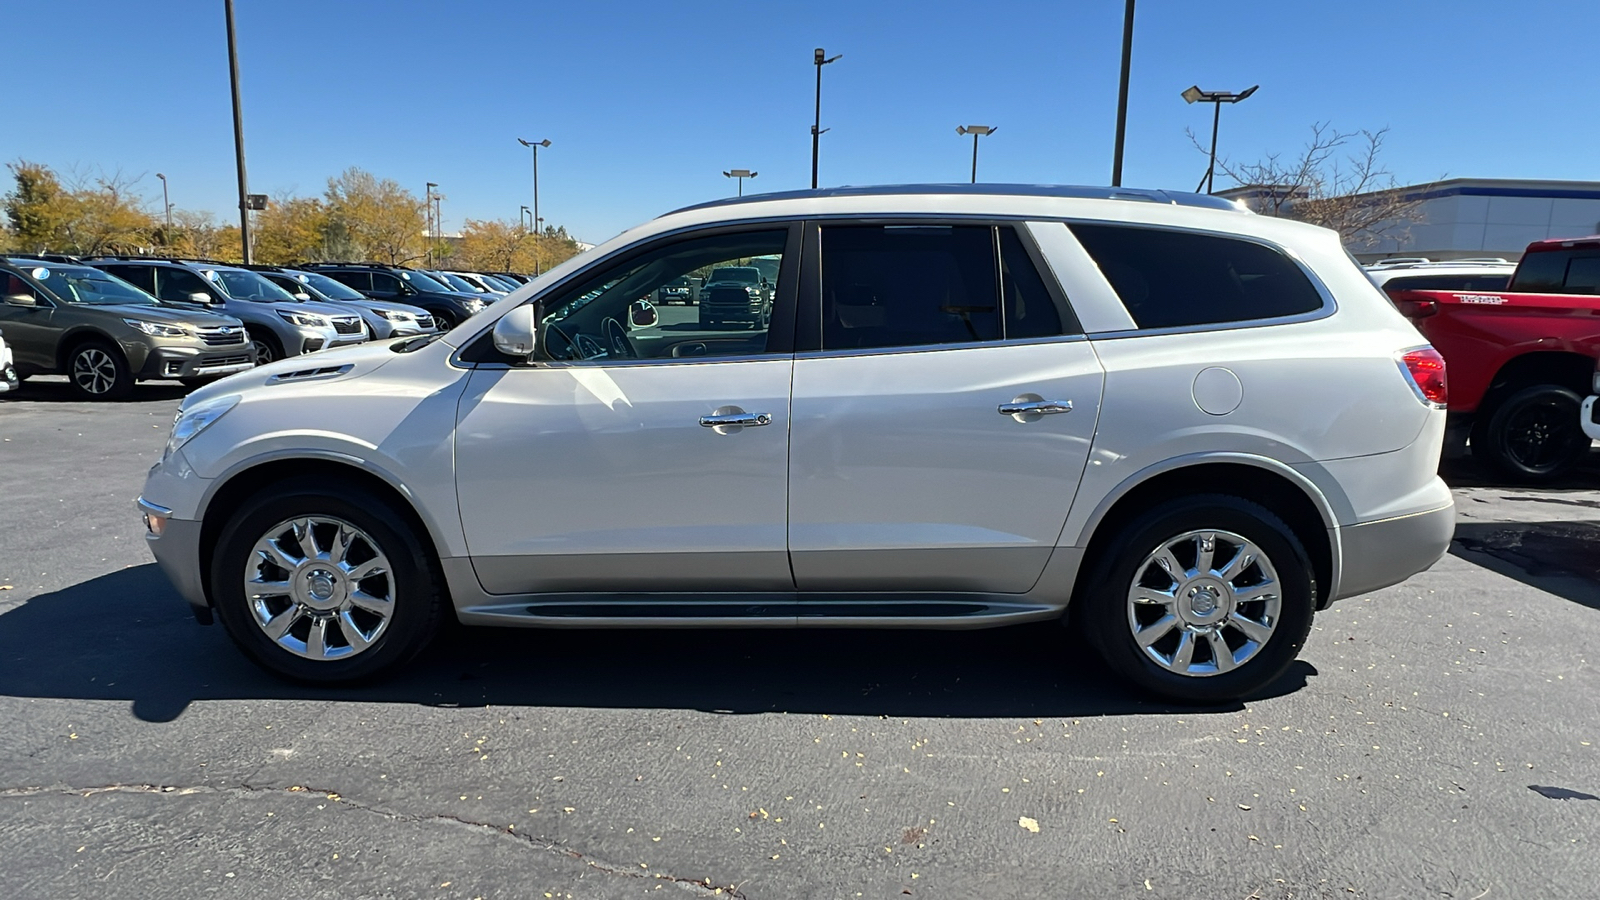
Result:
1075,192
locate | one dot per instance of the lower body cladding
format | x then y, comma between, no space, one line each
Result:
1375,555
186,362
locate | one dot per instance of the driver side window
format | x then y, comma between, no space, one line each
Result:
704,297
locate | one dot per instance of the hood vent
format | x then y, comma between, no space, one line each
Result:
310,374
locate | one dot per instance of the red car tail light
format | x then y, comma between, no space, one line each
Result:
1425,369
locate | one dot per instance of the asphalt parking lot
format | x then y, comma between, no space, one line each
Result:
1437,739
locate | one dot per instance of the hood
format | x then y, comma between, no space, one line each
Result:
167,315
361,359
386,305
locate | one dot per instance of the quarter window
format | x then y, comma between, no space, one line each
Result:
1174,279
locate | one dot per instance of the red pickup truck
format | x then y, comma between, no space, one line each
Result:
1521,359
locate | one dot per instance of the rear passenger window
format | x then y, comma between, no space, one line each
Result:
142,277
1448,283
919,285
360,281
1583,275
1173,279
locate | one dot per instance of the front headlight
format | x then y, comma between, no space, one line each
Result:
473,304
394,315
156,329
191,422
305,319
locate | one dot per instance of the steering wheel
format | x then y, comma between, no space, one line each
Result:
588,347
550,346
617,340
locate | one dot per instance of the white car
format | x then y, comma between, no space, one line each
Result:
1179,426
1587,416
8,370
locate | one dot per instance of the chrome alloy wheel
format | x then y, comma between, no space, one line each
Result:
93,371
1204,602
319,587
263,350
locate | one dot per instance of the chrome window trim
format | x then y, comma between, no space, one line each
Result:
934,348
621,363
1329,307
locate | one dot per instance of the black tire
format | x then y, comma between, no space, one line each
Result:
265,345
1105,607
1533,435
97,370
418,600
445,321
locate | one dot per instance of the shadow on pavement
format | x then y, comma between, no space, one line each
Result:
1561,558
47,389
128,636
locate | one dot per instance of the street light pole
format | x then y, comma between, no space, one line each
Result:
166,204
427,215
238,134
1122,94
976,131
537,261
741,174
1217,98
820,59
523,215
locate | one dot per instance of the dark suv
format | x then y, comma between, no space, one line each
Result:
736,294
448,307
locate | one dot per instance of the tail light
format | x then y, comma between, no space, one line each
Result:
1425,370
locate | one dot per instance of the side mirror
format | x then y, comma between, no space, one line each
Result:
643,314
26,301
201,297
514,333
302,296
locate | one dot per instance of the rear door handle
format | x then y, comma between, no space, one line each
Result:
1035,407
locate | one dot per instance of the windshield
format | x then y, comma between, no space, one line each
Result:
742,274
505,284
423,283
458,283
250,286
336,290
81,284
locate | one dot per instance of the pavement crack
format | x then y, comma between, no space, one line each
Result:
703,886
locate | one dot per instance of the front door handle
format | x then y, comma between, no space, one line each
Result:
738,418
732,420
1035,407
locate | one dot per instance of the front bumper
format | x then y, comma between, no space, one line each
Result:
1587,418
175,543
1378,554
191,362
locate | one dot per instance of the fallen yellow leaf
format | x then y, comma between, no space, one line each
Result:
1029,824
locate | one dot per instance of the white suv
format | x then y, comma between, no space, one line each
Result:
1185,426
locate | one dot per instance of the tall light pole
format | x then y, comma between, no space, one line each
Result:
1122,94
741,174
166,203
536,220
1217,98
976,131
820,59
524,214
427,214
238,135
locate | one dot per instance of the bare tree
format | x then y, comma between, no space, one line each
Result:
1350,192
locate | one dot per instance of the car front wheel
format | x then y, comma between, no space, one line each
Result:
99,372
322,582
1203,599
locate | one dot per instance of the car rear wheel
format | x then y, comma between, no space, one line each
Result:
1203,599
322,582
1534,434
98,371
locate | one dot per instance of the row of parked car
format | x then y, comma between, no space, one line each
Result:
109,322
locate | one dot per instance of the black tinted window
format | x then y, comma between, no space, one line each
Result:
1171,279
1448,283
361,281
1031,310
143,277
385,282
1542,273
177,284
1583,275
899,286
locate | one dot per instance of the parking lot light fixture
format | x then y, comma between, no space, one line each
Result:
976,131
820,59
427,214
1193,94
740,174
535,145
524,218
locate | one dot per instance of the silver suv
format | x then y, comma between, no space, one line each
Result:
1179,427
278,323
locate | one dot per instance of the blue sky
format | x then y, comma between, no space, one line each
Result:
646,103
